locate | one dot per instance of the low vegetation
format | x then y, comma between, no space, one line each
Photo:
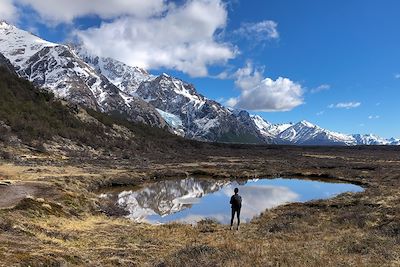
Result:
62,223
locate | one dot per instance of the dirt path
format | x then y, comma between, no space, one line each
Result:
11,194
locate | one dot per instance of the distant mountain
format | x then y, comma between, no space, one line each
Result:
108,85
202,118
371,139
126,78
267,129
60,70
306,133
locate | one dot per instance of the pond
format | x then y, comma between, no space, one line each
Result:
193,199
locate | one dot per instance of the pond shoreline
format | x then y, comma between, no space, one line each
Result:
65,225
194,199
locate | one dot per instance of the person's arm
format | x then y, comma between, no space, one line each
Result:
230,202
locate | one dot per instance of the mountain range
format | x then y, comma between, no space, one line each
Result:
107,85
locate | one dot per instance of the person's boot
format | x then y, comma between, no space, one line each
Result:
237,228
230,228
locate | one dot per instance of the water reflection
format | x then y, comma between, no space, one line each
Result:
192,199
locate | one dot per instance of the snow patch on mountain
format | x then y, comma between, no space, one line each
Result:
18,45
268,129
174,121
126,78
59,69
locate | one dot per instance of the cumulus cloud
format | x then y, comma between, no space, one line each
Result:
260,31
7,11
58,11
322,87
345,105
264,94
183,38
373,117
248,77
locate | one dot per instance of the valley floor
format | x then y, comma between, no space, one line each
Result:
61,222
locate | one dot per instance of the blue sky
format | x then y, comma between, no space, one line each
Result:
340,59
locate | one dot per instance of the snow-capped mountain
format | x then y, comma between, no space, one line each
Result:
126,78
202,118
188,113
370,139
59,69
108,85
268,129
394,141
306,133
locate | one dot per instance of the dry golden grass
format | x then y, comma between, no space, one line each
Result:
66,227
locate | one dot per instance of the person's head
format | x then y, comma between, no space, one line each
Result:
236,190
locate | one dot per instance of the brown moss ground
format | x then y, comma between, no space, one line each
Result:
64,226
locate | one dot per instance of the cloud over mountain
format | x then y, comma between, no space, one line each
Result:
265,94
7,10
66,10
183,38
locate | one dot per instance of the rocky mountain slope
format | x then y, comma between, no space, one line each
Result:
202,118
59,69
188,113
107,85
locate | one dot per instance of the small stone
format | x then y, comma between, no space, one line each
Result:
47,206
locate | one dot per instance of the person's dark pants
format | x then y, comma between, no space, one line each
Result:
237,211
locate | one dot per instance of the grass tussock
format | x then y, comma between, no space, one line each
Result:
67,225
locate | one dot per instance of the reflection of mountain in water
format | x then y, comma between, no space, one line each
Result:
191,200
166,197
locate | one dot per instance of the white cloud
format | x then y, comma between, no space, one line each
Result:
397,76
260,31
58,11
345,105
248,77
8,11
320,113
183,38
322,87
374,117
264,94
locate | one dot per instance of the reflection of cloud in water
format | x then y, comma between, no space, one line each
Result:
190,200
166,198
256,199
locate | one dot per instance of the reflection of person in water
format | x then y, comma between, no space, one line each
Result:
236,205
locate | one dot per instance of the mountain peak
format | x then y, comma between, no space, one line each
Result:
19,45
5,25
307,124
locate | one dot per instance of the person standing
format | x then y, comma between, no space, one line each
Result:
236,205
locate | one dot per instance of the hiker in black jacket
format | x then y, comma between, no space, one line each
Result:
236,205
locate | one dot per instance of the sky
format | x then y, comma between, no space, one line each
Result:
335,63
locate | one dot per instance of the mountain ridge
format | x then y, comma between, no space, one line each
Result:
108,85
58,68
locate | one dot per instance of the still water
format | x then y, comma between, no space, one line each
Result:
193,199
